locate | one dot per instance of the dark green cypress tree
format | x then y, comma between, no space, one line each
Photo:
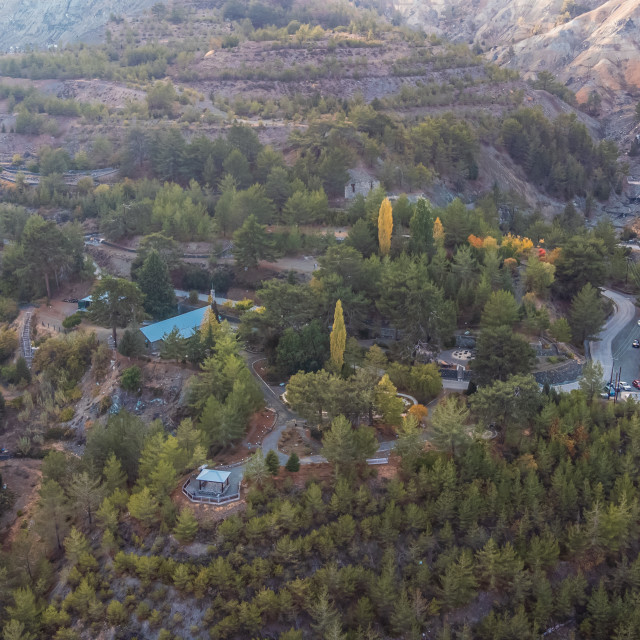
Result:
273,462
293,463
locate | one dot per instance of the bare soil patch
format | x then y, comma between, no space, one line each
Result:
22,477
260,424
385,432
390,470
320,472
297,439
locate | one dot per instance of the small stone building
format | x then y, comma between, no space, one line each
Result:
360,181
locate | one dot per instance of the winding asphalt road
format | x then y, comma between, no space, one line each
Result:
272,399
613,350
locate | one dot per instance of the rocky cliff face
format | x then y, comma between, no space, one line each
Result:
42,23
598,50
590,44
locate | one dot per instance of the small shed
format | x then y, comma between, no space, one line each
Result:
84,303
360,182
213,480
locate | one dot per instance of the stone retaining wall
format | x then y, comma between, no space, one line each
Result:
568,372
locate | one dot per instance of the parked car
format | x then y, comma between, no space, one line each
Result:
622,386
636,384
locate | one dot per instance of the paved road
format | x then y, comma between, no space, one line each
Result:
613,350
614,347
272,399
623,357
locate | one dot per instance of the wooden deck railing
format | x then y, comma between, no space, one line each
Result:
194,496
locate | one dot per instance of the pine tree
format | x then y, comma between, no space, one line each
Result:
342,445
173,346
293,463
131,343
25,610
500,309
273,462
116,302
323,613
592,376
52,513
114,476
587,315
251,243
410,442
385,227
600,613
154,282
338,338
186,526
458,582
449,424
163,479
15,630
75,545
144,507
107,515
256,469
87,494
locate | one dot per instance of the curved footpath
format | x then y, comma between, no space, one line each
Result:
612,349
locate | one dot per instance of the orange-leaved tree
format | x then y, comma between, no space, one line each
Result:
438,232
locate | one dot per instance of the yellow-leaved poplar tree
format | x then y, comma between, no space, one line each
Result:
385,227
209,329
338,338
209,320
438,232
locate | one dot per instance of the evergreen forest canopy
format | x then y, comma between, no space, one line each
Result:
540,535
463,535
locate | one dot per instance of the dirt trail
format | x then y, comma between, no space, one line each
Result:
22,477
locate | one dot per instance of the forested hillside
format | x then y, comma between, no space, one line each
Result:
305,322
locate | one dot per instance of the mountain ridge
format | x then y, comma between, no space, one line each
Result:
592,47
34,23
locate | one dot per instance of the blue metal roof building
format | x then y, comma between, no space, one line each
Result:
186,324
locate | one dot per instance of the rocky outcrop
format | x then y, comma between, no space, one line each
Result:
41,23
594,47
598,50
488,22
